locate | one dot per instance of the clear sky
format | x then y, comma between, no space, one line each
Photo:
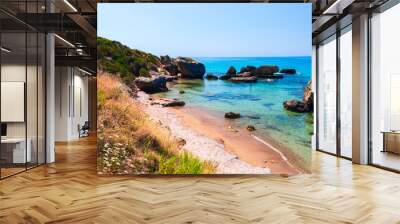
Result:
209,30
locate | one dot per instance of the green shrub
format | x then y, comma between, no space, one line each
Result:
144,72
183,163
115,58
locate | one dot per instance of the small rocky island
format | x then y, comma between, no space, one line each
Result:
169,69
304,106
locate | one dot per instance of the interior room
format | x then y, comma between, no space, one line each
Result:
22,103
46,86
48,150
385,88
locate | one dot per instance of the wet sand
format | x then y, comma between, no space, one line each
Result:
210,136
239,141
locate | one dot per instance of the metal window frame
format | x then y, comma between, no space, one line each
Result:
338,153
44,75
381,9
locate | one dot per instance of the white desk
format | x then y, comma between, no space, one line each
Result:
18,150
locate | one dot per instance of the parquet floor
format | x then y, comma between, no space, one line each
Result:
69,191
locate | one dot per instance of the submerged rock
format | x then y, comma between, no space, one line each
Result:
210,76
225,77
291,71
181,91
250,128
295,106
189,68
232,115
151,85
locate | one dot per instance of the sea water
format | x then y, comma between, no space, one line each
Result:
261,103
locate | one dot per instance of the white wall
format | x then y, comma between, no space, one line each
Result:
71,102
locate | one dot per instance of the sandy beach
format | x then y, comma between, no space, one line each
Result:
211,137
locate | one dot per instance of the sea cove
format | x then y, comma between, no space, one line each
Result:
260,103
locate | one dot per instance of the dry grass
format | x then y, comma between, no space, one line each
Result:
130,143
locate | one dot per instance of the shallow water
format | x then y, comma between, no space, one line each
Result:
259,103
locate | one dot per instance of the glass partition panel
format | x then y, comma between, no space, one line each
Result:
385,89
31,98
327,95
346,92
14,153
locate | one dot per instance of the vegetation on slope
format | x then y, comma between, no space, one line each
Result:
116,58
130,143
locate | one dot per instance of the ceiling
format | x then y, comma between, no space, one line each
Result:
75,21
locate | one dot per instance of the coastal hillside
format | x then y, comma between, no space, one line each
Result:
130,143
116,58
270,98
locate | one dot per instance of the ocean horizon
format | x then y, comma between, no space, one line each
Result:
260,103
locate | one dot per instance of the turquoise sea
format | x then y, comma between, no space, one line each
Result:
259,103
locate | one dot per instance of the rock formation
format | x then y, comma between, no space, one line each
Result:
304,106
211,77
189,68
231,71
248,68
151,85
266,71
165,102
290,71
232,115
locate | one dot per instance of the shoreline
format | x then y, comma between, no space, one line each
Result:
207,136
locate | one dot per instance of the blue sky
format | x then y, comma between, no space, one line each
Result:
209,30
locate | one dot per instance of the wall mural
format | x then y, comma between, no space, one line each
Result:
204,88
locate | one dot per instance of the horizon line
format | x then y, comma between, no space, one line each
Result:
275,56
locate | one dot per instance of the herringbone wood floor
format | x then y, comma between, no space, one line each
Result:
69,191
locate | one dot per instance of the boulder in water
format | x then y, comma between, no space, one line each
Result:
290,71
266,70
232,115
189,68
250,128
210,76
294,106
248,68
231,71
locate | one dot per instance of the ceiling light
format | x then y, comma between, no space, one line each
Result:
70,5
65,41
5,50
